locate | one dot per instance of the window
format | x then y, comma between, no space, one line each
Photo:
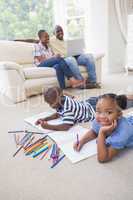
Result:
20,19
70,14
75,19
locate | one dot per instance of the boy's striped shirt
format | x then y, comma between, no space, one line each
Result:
74,111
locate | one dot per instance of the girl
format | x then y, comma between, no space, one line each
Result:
113,131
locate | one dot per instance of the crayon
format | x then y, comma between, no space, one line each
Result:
41,140
58,161
26,146
77,139
45,153
40,151
26,131
35,148
53,150
34,132
15,139
25,138
19,131
18,150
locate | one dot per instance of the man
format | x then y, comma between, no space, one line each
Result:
58,44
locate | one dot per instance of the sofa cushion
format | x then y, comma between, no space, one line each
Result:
42,72
19,52
39,72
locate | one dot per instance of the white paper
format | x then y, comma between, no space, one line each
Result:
33,119
66,139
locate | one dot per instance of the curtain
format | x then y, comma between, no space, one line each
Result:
121,10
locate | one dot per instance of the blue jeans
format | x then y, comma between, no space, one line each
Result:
61,68
73,65
88,61
93,101
129,104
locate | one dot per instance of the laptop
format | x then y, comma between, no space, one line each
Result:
75,47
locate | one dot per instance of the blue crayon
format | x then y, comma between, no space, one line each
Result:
57,161
25,138
53,149
40,151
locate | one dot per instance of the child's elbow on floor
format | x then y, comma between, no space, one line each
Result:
102,160
66,127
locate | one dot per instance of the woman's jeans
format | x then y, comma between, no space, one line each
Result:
61,68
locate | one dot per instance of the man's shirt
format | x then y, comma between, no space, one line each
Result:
58,46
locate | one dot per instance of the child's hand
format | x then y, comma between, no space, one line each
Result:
107,130
39,121
44,124
78,146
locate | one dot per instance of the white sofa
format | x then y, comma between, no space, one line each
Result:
19,78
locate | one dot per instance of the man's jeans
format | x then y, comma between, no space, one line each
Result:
72,63
83,59
93,101
88,61
61,68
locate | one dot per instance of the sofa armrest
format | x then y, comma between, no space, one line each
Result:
8,65
98,55
98,64
12,81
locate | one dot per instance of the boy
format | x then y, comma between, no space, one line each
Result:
70,110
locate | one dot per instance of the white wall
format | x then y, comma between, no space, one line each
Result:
97,26
103,34
116,44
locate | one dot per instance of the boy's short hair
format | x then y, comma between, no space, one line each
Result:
52,93
40,32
